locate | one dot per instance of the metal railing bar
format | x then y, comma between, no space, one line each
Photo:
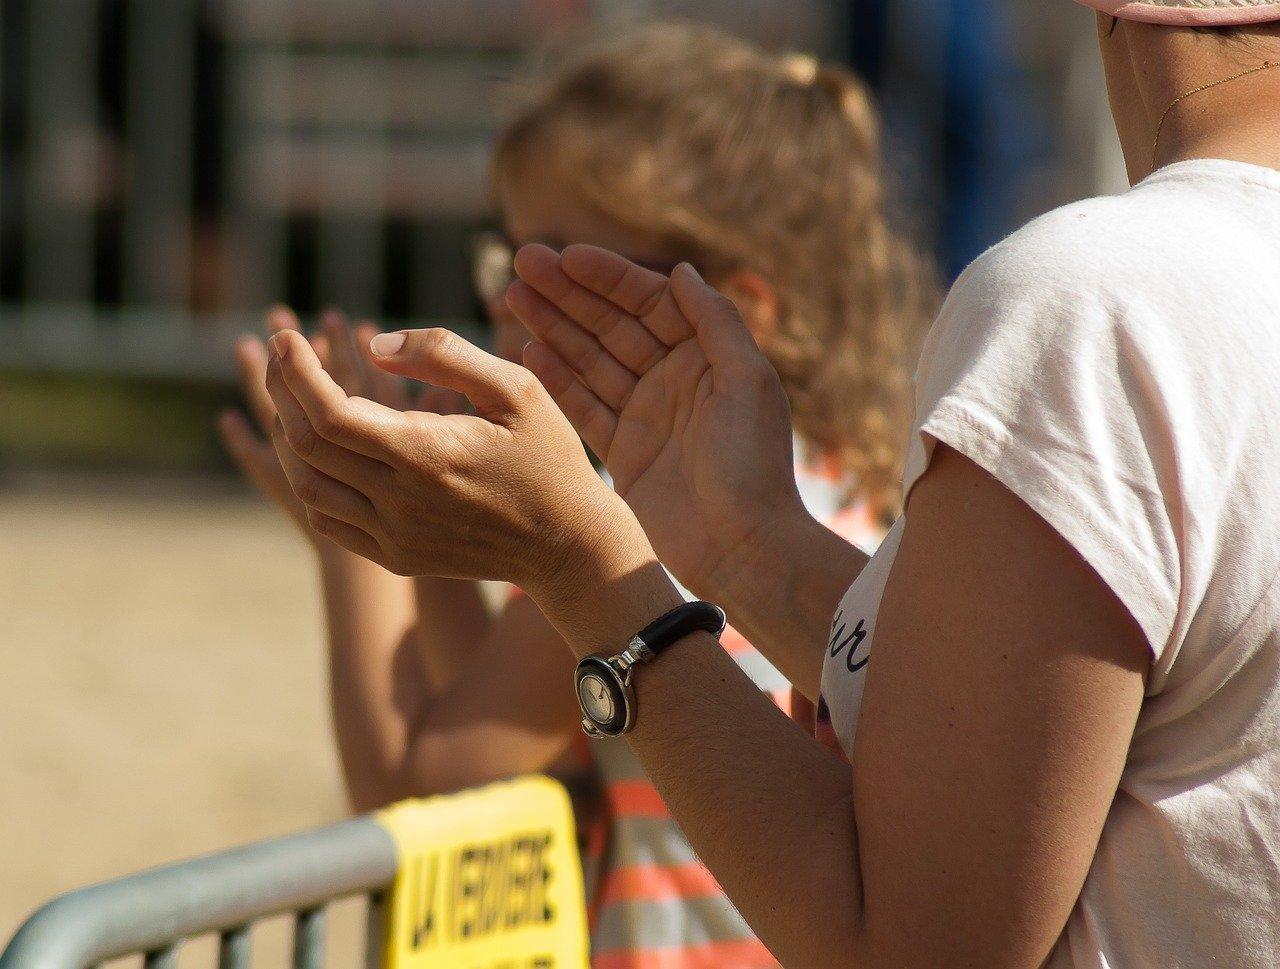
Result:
502,25
235,948
451,90
147,911
351,242
254,260
425,177
160,77
308,939
61,173
162,958
375,927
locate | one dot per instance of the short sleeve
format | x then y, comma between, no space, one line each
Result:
1066,396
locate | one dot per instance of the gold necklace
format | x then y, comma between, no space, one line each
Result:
1204,87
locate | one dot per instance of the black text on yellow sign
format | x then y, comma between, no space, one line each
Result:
488,879
492,887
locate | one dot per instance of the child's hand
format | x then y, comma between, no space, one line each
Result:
247,447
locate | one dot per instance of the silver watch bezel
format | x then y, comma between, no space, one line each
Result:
617,671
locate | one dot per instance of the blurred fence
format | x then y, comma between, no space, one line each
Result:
169,167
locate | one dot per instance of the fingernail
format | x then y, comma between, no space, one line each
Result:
688,267
276,345
385,344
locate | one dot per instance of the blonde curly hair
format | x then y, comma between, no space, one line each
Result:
736,159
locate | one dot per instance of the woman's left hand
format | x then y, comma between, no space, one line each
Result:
507,493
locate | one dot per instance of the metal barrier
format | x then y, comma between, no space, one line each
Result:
153,912
487,878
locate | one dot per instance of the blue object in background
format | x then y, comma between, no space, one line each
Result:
966,124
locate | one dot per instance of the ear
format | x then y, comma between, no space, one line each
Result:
756,300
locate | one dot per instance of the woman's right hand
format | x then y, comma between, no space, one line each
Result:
665,383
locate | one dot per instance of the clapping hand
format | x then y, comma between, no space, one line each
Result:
504,493
663,380
659,376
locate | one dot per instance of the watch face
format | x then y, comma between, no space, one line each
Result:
604,696
596,698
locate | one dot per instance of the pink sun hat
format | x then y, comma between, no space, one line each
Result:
1190,13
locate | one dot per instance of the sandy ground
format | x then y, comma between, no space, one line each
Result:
162,692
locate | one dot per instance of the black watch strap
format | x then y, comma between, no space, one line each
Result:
696,616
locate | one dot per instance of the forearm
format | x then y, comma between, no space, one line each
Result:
754,794
750,790
781,590
452,620
495,722
400,735
375,678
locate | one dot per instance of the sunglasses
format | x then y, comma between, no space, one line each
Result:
493,264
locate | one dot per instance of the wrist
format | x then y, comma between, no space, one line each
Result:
605,585
765,556
783,589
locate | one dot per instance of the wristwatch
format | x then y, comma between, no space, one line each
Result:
604,683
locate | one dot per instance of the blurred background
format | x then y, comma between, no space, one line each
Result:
168,168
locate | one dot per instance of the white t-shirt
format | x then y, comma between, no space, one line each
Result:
1116,365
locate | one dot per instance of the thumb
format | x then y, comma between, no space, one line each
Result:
722,334
441,357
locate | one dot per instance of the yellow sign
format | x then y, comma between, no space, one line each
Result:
488,879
